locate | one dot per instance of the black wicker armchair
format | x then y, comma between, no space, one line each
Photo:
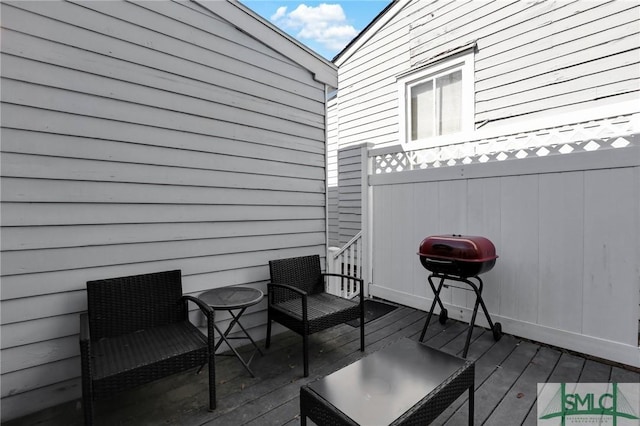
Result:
137,330
297,300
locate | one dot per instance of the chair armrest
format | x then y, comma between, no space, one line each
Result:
206,309
288,287
85,343
299,292
86,368
209,313
85,334
360,282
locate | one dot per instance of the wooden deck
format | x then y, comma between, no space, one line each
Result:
506,376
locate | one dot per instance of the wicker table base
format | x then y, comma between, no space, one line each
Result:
406,383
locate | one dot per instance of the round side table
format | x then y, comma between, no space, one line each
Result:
233,299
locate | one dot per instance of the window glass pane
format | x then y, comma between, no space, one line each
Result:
422,111
449,92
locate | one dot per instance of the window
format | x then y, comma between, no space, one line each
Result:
437,100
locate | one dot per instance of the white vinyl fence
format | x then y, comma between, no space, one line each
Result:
565,220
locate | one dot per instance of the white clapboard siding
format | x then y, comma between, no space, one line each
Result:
349,192
453,24
142,137
531,42
25,332
571,75
85,125
45,260
382,136
13,214
41,375
197,118
42,237
38,190
206,30
620,90
189,98
65,169
380,103
236,160
251,142
332,173
128,39
28,285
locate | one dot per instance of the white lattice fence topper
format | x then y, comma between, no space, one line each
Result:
608,133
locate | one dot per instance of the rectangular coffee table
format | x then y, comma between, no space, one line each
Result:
405,383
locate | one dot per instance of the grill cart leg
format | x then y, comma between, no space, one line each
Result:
473,317
436,299
496,328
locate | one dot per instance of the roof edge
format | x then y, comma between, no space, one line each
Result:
378,22
245,19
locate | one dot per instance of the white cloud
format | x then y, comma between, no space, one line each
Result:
281,12
325,24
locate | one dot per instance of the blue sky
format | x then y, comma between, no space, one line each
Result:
324,26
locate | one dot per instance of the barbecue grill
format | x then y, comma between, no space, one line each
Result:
458,258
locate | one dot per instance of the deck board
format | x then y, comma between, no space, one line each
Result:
595,372
567,370
521,397
507,373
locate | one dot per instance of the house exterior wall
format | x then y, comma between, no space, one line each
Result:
349,192
532,60
140,137
332,173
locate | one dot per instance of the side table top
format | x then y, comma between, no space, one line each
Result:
231,297
381,387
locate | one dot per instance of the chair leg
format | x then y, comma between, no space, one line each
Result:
87,406
212,382
305,354
87,391
267,341
362,327
471,405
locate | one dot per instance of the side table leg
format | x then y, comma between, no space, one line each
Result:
229,327
236,319
223,337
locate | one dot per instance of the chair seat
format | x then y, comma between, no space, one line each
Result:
323,310
298,278
130,352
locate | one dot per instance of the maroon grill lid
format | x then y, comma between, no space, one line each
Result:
464,248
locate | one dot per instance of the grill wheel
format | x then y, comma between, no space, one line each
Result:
444,315
497,331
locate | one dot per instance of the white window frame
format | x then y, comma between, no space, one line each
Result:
463,61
